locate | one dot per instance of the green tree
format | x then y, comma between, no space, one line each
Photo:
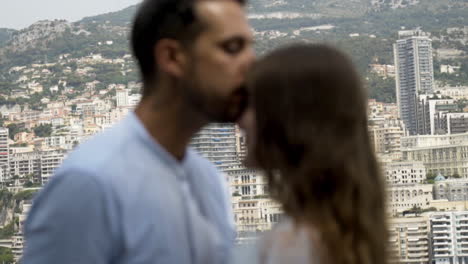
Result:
381,89
6,256
415,210
7,231
14,129
24,195
430,176
43,130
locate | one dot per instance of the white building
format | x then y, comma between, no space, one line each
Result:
450,69
245,182
449,237
414,73
134,99
59,142
4,173
26,164
404,172
445,154
451,190
121,97
409,239
254,216
4,147
386,135
50,160
217,143
402,198
430,110
445,205
457,93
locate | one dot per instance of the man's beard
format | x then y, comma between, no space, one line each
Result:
213,107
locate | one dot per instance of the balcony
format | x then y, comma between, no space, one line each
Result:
422,242
416,232
441,225
418,254
444,231
417,237
442,249
438,220
442,243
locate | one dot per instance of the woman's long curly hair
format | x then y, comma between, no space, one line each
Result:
312,143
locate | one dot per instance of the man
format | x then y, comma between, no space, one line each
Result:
136,194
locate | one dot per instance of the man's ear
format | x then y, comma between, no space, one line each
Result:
170,57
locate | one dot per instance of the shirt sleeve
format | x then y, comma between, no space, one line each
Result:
70,222
227,202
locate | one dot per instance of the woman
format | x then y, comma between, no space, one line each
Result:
307,130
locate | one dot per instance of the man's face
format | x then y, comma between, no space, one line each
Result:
219,60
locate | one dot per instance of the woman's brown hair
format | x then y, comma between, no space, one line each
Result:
312,142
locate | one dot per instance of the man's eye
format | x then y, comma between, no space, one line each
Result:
232,47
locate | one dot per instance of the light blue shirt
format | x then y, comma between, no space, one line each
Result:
120,198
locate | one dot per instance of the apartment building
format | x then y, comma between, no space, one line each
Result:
401,198
451,190
449,233
217,143
409,240
254,216
385,135
414,73
445,154
50,160
404,172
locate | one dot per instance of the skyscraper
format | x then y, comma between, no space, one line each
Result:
414,73
4,149
4,154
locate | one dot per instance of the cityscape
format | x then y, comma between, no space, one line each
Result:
420,135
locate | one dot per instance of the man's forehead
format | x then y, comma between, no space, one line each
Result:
222,17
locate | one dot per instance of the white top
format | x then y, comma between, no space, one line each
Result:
284,244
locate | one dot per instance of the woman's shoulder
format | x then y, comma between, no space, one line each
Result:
289,243
285,243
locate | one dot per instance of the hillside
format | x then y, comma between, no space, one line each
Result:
364,28
5,35
119,18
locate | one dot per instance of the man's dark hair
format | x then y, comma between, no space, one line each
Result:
158,19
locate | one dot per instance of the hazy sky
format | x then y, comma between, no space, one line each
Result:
19,14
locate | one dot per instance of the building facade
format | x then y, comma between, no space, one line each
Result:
451,190
254,216
409,240
51,160
217,143
404,172
401,198
414,73
4,147
449,233
445,154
